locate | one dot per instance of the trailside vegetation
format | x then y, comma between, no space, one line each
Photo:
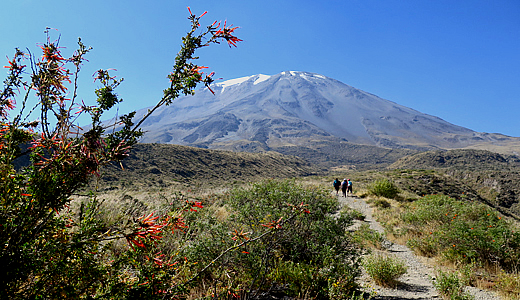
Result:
305,251
49,250
469,235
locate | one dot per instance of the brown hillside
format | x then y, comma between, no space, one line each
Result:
493,177
164,164
466,159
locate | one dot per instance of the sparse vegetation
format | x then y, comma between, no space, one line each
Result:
384,269
368,238
384,188
458,232
509,285
411,183
450,286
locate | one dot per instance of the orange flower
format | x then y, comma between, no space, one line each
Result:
273,224
197,69
226,33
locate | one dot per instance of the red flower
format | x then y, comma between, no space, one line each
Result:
197,69
148,229
226,33
273,224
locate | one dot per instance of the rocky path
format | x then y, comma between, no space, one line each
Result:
416,283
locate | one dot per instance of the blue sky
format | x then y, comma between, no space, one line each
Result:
458,60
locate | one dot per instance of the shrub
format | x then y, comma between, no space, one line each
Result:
383,188
463,231
450,286
356,215
384,270
381,203
301,251
48,250
367,237
469,234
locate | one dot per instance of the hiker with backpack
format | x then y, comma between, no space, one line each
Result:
344,185
336,185
349,187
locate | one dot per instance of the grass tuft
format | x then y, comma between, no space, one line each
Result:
383,269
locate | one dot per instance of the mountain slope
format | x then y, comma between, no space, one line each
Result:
262,112
164,165
494,178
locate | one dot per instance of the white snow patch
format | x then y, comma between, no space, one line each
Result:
261,78
306,77
293,73
311,76
232,82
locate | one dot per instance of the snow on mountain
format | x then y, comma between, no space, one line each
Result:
295,107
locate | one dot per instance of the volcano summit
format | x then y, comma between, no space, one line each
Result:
262,112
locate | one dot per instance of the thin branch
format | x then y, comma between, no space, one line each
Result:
234,247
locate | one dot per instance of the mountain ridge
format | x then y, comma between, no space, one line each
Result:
291,108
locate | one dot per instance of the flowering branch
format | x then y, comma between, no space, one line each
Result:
186,75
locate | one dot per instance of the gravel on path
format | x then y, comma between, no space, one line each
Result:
416,283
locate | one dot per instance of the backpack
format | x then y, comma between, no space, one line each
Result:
336,183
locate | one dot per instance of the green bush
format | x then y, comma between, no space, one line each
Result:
462,231
384,270
450,286
303,247
383,188
366,237
381,203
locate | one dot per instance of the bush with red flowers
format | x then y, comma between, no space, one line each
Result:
49,251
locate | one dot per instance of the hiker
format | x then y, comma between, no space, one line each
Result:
344,187
349,187
336,185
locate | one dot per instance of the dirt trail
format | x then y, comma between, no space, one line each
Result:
416,283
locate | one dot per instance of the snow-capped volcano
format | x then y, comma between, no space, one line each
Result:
292,108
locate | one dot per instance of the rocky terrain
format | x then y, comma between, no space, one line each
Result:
480,175
261,112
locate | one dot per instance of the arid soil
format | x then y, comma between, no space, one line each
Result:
417,282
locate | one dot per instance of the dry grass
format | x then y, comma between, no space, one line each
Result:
148,191
509,285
